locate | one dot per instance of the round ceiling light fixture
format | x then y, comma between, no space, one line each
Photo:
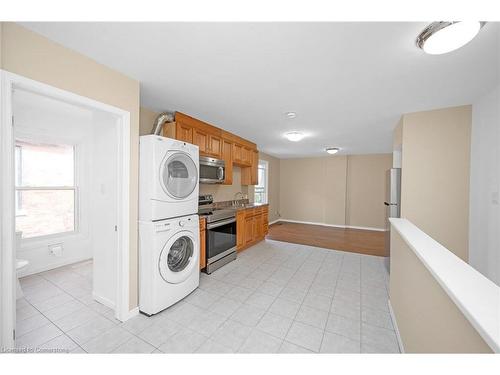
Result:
442,37
290,115
332,150
294,136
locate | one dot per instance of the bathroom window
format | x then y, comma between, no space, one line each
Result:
262,185
45,191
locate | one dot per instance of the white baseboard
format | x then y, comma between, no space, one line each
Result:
66,262
274,222
395,325
330,225
105,301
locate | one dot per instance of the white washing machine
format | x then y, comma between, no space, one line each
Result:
169,257
168,178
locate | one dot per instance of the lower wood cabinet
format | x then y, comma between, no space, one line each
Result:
251,226
203,252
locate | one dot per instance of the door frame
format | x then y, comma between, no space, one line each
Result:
10,81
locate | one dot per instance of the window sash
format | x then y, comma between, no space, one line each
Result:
76,211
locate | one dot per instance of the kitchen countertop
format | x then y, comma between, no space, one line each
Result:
250,205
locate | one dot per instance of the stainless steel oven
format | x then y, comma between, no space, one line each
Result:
220,239
212,171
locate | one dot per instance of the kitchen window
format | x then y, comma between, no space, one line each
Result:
46,194
261,188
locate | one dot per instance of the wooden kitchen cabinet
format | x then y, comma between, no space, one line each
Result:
251,226
200,139
240,229
203,252
217,143
184,132
250,175
227,156
265,220
214,146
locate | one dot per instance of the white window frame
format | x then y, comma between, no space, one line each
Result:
266,185
76,191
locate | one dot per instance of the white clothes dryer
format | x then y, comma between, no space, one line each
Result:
168,178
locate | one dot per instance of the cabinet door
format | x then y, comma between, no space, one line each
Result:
240,229
227,156
200,139
265,221
215,146
246,156
183,132
249,229
203,253
237,153
254,175
258,227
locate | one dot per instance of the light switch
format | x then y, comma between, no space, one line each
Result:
494,197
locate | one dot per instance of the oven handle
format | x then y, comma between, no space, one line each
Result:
221,223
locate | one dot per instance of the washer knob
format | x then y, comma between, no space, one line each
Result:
181,223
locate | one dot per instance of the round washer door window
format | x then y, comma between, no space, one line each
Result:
177,259
179,175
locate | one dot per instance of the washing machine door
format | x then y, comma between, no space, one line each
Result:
179,257
178,175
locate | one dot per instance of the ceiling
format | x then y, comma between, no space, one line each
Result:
348,82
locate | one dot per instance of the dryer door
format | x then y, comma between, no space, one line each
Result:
179,257
178,175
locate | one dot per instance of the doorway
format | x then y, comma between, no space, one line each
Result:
65,203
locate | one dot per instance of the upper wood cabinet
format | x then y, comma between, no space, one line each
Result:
214,146
249,175
242,155
200,139
227,156
184,132
217,143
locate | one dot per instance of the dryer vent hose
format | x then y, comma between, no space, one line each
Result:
162,118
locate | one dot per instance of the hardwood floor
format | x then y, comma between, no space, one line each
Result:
354,240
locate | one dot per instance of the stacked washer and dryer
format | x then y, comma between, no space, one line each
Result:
169,242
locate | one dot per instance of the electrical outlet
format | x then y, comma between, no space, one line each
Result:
56,249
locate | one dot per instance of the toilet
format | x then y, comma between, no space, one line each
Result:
20,264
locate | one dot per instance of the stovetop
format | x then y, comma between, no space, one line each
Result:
213,214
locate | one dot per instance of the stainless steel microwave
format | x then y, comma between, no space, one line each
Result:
212,171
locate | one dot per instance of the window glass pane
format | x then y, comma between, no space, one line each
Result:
41,165
46,212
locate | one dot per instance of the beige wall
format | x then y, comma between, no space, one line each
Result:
336,190
313,189
435,175
146,120
427,319
274,185
366,179
31,55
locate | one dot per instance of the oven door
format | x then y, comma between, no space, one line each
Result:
221,239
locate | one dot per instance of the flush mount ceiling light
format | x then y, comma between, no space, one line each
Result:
294,136
332,150
290,115
442,37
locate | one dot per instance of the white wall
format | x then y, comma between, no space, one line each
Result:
484,224
104,206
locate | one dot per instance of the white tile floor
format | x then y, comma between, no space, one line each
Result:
275,298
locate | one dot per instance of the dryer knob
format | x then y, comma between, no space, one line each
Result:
181,223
